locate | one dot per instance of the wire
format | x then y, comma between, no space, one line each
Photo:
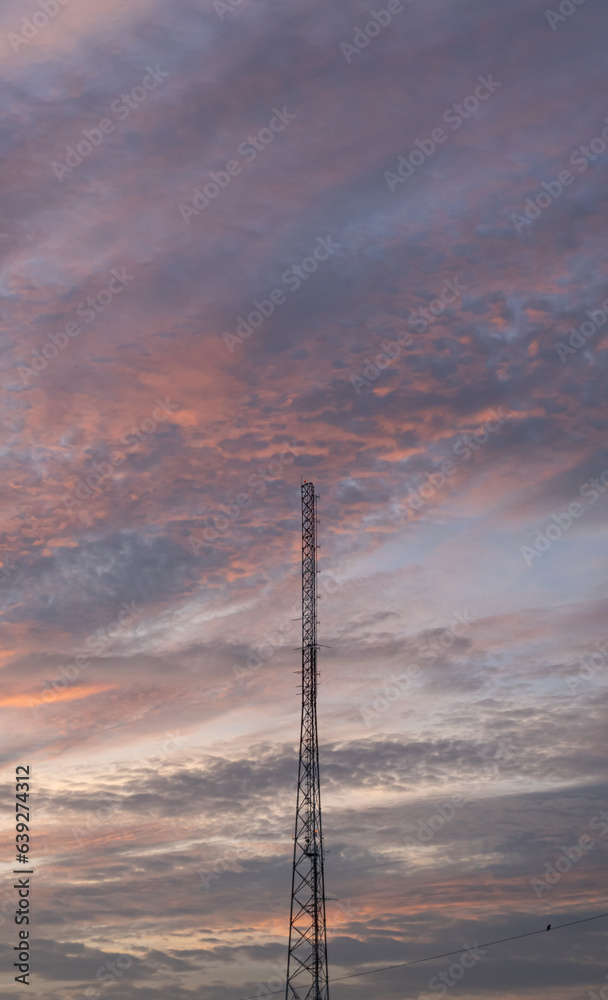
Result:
486,944
445,954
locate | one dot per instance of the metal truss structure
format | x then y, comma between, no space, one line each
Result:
307,957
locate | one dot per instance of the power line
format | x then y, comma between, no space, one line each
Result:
445,954
448,954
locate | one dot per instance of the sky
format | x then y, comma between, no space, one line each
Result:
242,245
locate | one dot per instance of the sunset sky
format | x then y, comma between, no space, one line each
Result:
251,243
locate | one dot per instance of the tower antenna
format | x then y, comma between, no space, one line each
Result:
307,956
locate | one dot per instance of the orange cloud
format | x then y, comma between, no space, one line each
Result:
70,694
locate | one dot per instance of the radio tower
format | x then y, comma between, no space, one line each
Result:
307,957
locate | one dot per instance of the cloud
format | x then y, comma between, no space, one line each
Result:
172,751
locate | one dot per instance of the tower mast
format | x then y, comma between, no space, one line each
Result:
307,957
